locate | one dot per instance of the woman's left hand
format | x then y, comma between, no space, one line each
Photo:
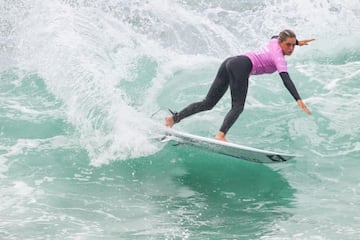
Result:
303,106
305,41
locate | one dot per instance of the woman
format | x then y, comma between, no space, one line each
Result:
235,72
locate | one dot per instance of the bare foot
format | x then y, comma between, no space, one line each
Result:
169,121
220,136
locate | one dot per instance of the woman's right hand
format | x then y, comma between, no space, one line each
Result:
303,106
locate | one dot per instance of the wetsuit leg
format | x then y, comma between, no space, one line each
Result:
238,69
216,91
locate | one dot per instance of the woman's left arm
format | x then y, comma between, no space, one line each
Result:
304,42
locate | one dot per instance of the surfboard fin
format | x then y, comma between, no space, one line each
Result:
174,115
165,138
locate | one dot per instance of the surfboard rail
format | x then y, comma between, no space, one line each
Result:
228,148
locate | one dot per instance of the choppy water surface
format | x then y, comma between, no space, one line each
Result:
80,82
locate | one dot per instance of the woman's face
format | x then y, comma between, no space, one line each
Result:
288,46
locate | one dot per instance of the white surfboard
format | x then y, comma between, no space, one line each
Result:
227,148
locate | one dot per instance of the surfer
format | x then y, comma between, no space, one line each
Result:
234,72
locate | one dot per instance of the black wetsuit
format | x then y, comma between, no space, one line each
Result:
233,72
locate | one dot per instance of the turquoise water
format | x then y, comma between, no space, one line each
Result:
84,88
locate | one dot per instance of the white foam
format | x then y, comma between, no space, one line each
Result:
21,188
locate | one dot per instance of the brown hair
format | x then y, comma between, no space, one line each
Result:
283,35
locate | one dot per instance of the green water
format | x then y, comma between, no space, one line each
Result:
84,88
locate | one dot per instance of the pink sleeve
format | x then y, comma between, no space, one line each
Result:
278,57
